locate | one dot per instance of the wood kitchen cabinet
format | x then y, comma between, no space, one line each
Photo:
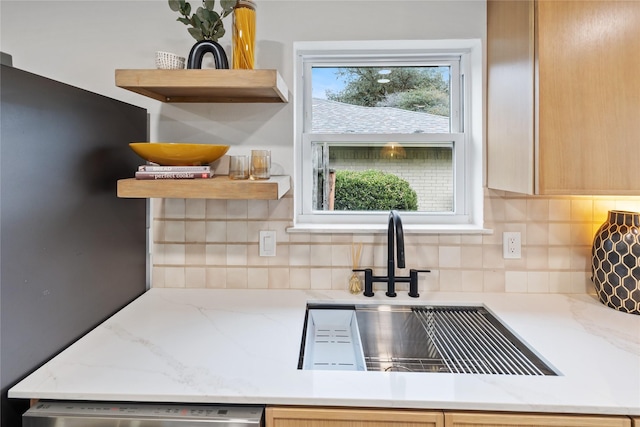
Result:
563,96
291,416
488,419
282,416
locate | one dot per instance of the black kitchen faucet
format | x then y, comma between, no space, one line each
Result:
395,233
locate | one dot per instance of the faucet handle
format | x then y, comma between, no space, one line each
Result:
413,281
368,281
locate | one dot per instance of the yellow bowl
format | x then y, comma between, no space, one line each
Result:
178,153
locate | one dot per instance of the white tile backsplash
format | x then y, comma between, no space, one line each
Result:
214,244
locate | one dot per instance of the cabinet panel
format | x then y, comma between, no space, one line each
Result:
589,94
563,96
340,417
488,419
510,89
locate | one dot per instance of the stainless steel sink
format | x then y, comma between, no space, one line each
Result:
453,339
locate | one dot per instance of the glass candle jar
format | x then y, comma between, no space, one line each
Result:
244,34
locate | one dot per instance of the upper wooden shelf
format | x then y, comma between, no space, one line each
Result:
208,85
218,187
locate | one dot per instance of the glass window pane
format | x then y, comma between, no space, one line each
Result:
381,176
381,99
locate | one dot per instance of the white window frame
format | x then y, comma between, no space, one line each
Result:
466,132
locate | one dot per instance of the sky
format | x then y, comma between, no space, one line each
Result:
323,79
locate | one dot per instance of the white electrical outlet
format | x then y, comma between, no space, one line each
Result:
511,245
268,243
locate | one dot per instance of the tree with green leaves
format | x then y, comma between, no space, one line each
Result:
206,23
408,88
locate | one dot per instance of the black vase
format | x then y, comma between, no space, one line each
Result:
615,260
203,47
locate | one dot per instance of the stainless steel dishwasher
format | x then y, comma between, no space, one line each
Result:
105,414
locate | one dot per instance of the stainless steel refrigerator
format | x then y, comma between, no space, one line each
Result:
71,252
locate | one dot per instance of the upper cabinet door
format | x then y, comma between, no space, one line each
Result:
563,97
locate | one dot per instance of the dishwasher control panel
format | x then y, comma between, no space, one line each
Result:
108,414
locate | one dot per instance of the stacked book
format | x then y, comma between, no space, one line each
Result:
173,172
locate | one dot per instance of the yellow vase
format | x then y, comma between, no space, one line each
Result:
244,34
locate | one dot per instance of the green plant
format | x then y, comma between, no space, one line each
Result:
373,190
206,23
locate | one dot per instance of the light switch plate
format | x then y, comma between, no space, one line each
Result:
268,243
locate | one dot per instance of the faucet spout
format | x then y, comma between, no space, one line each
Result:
394,233
395,224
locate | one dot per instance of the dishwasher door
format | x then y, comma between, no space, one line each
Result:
105,414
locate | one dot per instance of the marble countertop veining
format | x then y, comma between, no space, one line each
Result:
242,346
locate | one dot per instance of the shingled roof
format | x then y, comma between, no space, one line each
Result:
333,116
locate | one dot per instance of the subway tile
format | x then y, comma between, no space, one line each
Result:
216,231
216,254
216,277
538,281
299,278
195,254
320,255
320,278
195,231
237,278
257,278
559,258
582,233
471,257
515,210
282,256
537,258
450,280
341,256
174,277
195,208
237,209
174,208
237,231
449,256
537,234
174,254
236,255
582,209
538,210
175,231
472,280
216,209
195,277
278,278
559,210
559,234
560,282
258,209
515,281
493,281
299,255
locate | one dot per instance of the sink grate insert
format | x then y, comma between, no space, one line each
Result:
470,340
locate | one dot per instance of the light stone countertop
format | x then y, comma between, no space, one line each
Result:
242,346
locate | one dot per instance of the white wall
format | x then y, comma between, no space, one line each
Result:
83,42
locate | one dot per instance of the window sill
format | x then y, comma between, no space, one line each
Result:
382,228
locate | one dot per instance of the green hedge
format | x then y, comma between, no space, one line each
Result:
372,190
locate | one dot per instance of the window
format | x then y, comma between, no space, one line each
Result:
388,125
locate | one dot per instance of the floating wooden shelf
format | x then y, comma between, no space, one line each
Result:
218,187
209,85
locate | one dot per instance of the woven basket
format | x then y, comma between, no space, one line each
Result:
169,61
